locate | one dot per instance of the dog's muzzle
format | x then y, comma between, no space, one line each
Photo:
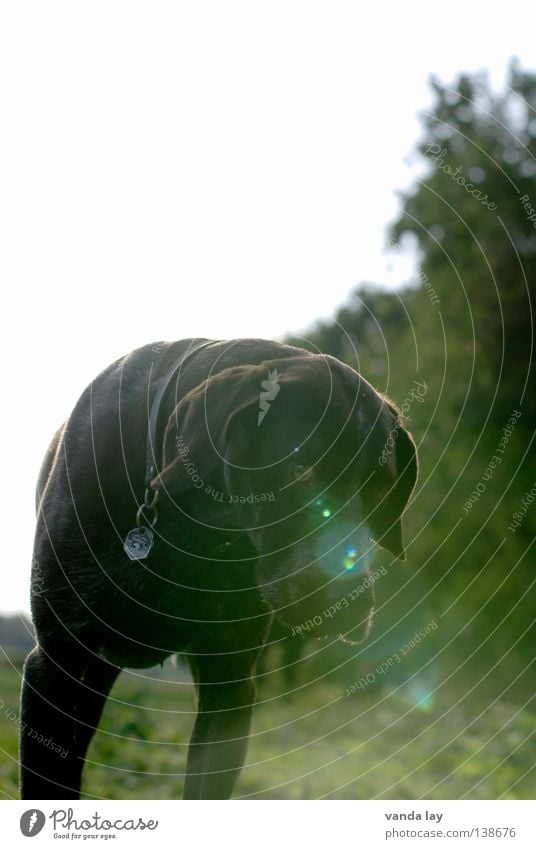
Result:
326,588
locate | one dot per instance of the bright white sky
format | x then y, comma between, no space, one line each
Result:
219,169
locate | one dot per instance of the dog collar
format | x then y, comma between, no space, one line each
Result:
140,540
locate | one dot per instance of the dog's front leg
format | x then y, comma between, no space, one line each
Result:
219,741
62,699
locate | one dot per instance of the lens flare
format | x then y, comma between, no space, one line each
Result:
349,561
419,693
359,558
338,558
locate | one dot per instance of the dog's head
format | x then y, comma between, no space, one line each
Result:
313,465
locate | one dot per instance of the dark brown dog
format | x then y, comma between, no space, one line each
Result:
265,477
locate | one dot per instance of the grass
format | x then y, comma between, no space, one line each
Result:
317,742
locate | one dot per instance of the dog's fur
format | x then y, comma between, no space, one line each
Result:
243,532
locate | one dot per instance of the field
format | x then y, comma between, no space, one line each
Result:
317,742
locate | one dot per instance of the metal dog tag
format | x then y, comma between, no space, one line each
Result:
138,543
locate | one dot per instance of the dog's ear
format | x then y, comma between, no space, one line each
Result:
196,434
400,460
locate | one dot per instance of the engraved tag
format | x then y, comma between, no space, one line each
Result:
138,543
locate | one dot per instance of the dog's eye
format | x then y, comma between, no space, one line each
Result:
302,473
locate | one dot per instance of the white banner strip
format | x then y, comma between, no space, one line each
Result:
265,824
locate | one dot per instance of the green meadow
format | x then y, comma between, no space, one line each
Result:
315,742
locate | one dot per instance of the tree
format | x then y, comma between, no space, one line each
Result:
464,327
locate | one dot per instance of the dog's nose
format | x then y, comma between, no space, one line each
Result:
344,550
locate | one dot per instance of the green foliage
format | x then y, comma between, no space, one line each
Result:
464,327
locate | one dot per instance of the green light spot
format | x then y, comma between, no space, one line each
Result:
326,513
